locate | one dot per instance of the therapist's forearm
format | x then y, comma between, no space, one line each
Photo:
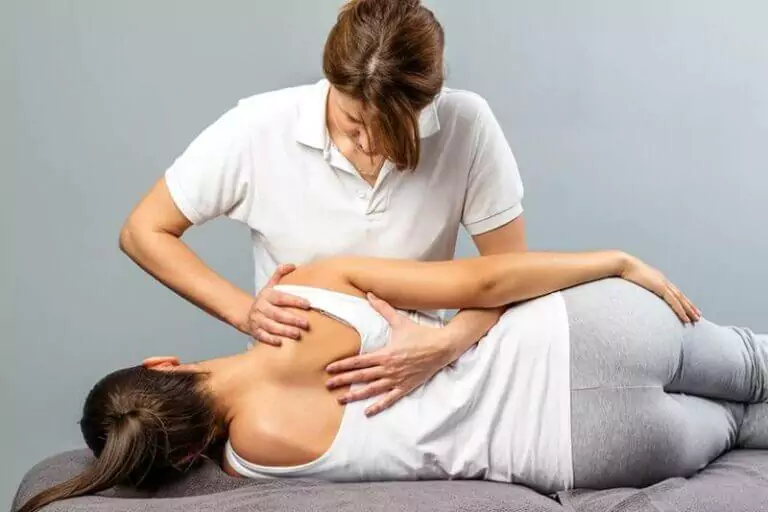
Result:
469,325
467,328
169,260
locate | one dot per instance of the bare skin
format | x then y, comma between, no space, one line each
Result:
276,402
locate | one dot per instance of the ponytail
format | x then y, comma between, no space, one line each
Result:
124,451
145,427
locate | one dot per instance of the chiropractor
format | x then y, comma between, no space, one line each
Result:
376,159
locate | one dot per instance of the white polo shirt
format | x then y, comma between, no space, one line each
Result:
269,163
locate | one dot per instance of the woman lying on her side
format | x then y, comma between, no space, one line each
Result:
598,385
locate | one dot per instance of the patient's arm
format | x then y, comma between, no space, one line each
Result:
482,282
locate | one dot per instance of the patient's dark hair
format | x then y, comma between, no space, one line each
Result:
145,427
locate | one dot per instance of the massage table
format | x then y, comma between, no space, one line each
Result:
736,482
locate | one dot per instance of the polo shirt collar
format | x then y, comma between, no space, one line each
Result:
311,125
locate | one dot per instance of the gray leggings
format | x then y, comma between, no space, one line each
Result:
651,398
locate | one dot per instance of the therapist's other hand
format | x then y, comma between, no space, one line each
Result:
268,320
413,355
642,274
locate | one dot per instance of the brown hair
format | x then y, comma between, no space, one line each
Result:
145,427
389,55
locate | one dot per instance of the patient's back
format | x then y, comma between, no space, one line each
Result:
295,418
499,412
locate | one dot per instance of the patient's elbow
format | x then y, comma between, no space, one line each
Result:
470,289
493,291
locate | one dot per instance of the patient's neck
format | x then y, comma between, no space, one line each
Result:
229,378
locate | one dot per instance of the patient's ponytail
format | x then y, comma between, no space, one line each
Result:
120,457
145,427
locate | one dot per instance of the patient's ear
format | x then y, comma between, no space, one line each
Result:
163,363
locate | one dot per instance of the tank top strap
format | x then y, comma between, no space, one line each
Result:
349,309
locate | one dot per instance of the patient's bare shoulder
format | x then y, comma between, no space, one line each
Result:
283,436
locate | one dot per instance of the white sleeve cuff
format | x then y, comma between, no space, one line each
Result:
495,221
181,200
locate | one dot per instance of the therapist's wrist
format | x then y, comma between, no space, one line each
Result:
454,340
448,344
467,328
237,313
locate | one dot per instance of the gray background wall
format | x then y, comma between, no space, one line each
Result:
637,124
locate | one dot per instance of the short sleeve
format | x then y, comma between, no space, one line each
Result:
212,177
494,189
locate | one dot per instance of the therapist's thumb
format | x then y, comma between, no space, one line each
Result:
280,272
383,308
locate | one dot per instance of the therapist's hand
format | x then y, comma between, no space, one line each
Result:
268,320
414,354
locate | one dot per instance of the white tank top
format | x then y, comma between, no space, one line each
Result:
500,412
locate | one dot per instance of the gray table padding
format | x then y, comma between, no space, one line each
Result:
737,482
